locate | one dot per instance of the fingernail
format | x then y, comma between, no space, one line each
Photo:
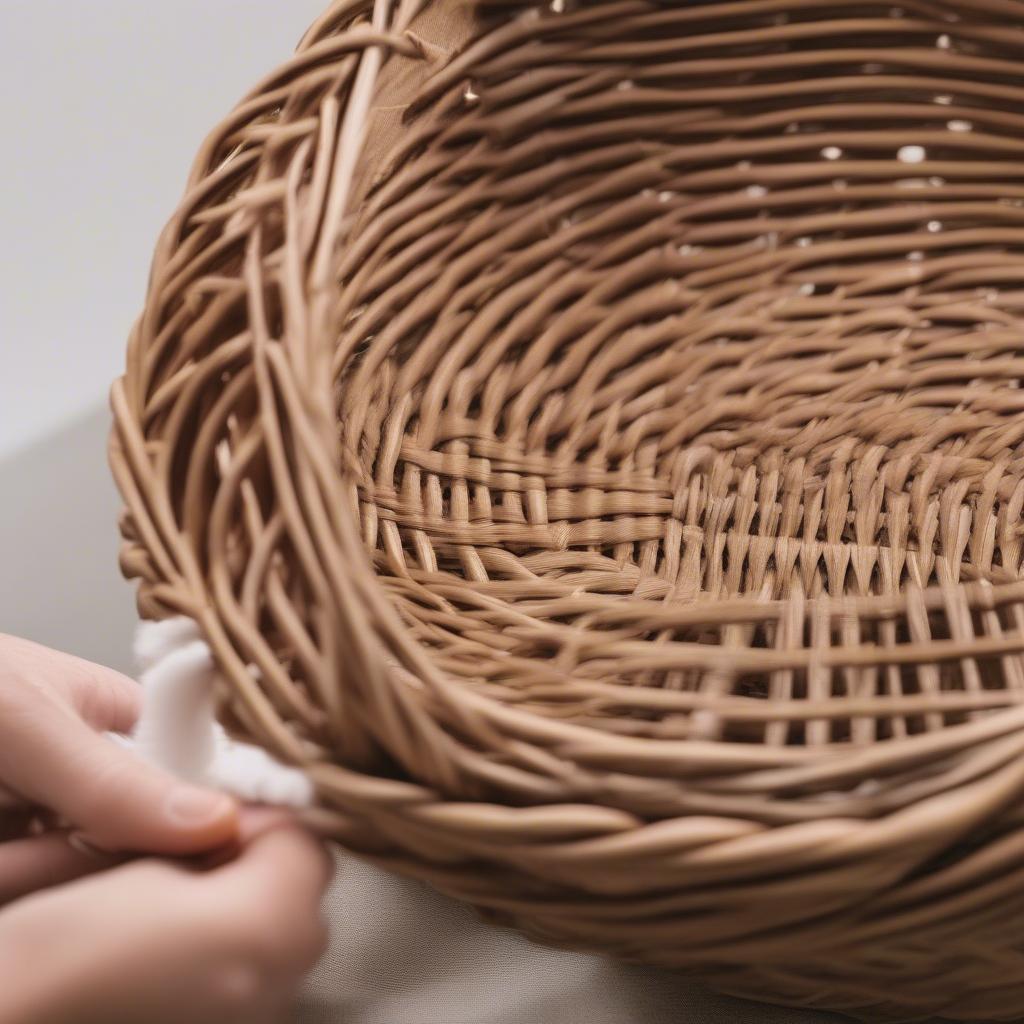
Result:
187,805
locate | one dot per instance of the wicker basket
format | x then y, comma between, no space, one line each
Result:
589,437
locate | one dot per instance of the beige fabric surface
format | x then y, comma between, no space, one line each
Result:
402,954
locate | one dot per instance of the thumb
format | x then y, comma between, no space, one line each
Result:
51,757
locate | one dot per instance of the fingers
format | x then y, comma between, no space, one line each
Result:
151,941
277,884
53,758
105,699
39,862
223,945
274,843
51,754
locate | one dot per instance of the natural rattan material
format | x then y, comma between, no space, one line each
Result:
589,437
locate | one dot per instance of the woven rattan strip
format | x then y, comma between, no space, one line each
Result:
590,438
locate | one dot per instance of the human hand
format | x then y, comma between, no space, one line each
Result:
152,942
149,940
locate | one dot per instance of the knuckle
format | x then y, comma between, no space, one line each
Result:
94,693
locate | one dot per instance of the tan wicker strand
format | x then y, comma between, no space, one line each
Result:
590,437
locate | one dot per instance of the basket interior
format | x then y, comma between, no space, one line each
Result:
680,358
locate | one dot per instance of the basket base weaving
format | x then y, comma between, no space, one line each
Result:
589,438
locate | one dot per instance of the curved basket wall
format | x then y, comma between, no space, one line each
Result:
590,438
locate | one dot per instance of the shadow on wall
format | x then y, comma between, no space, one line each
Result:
59,581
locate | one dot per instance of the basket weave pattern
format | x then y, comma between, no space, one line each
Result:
589,437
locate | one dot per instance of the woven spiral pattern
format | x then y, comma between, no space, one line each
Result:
589,436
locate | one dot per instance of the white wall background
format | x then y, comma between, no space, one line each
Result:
105,104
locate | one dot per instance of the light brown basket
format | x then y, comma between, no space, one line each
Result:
598,426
